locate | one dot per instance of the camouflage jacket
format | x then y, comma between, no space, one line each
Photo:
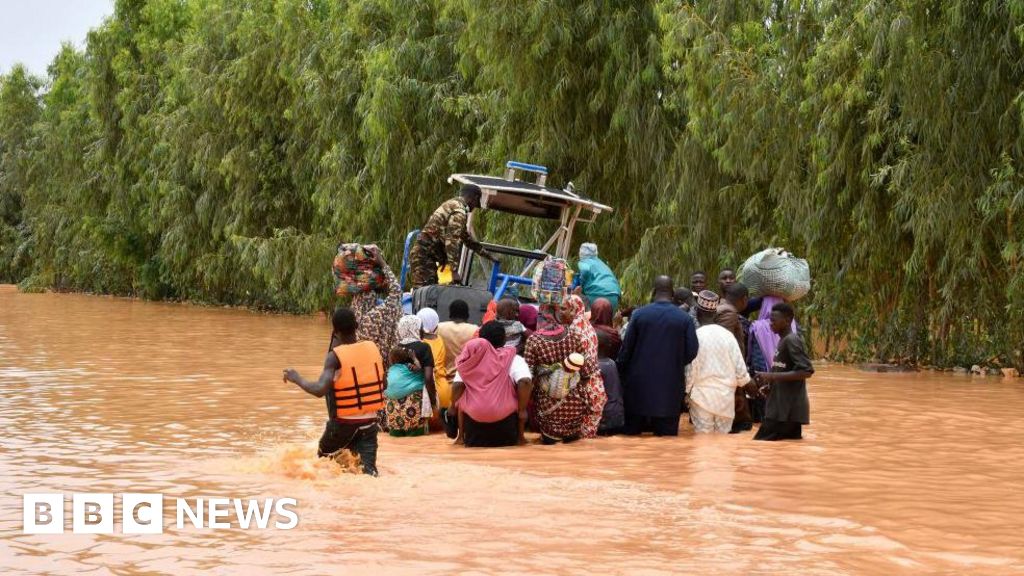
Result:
447,225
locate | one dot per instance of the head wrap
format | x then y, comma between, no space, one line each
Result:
581,327
514,330
761,329
428,316
491,314
707,301
601,312
528,316
409,329
548,323
588,250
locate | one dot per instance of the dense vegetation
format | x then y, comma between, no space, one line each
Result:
217,150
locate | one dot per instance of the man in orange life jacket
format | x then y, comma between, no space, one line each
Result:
353,383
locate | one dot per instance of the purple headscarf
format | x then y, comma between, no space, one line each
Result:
761,330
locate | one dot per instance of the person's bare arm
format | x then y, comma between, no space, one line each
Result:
785,376
524,388
320,386
429,385
457,389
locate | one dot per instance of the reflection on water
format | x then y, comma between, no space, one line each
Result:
899,473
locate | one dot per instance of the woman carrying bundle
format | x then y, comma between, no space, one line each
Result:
564,414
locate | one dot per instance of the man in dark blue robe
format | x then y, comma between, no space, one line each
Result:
660,341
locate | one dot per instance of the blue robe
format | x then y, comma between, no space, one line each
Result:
660,341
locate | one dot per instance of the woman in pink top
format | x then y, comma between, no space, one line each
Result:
490,390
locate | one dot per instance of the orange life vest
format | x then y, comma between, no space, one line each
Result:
359,384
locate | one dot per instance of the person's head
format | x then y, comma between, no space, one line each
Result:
682,297
738,295
604,344
528,316
409,328
588,250
400,355
508,309
458,311
782,318
494,333
601,312
429,320
573,362
698,281
344,323
565,313
707,306
663,291
726,278
471,194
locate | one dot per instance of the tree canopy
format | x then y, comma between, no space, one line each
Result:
217,151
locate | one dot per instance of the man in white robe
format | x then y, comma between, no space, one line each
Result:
716,372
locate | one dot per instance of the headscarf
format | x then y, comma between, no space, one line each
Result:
601,320
761,329
429,318
547,323
492,312
409,329
514,331
581,327
588,250
601,312
528,316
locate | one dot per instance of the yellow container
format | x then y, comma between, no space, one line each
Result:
444,275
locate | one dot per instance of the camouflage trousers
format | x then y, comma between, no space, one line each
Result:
424,260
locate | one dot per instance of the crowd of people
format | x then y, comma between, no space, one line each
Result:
579,369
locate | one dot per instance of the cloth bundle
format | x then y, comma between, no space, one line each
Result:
356,270
549,281
775,272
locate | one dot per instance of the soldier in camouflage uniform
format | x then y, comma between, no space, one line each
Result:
441,238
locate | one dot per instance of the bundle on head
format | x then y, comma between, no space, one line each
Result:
356,270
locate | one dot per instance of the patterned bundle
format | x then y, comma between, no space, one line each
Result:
556,381
549,281
775,272
356,270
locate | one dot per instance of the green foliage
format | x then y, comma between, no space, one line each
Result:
217,151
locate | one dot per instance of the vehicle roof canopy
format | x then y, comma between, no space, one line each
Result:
527,198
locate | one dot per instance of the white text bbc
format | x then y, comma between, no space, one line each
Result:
144,513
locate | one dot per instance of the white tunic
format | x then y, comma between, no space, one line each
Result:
716,372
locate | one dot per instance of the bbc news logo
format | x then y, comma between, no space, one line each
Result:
144,513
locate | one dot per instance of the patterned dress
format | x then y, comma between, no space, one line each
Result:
587,337
404,417
564,418
378,322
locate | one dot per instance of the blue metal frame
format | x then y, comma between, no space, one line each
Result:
405,258
500,281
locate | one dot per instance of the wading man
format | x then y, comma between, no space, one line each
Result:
660,342
716,373
353,382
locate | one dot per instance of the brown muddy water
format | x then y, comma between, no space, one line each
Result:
898,474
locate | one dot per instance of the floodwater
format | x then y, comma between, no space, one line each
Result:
898,474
